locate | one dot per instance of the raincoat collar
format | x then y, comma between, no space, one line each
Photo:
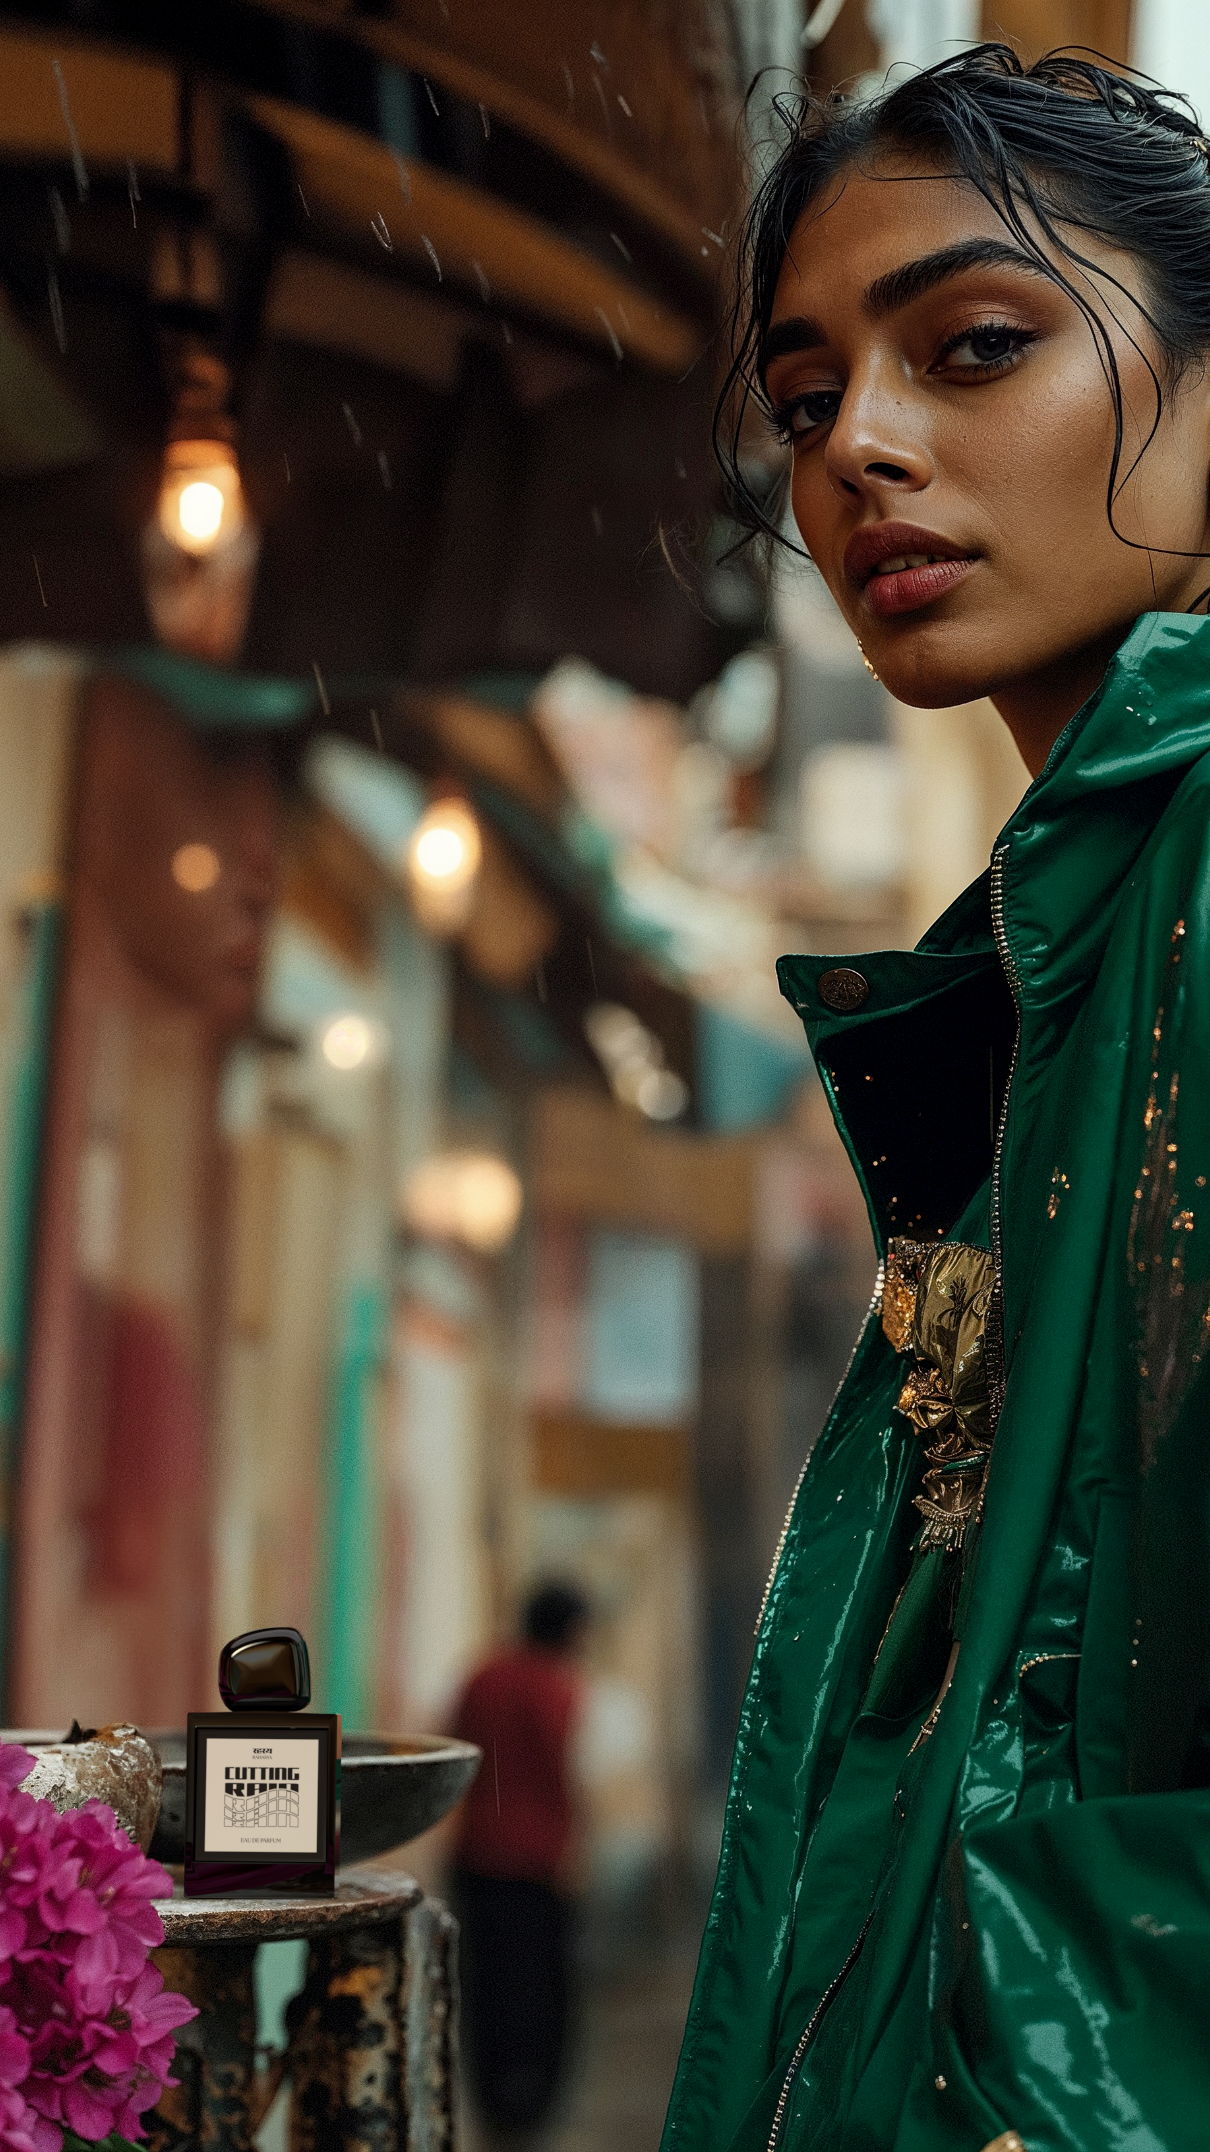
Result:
1063,858
1066,855
915,1046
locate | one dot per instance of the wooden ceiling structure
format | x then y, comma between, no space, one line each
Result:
464,269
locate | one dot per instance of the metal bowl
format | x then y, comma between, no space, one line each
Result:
391,1789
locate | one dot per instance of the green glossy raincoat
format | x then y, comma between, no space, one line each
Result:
964,1887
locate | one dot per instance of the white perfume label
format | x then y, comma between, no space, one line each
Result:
262,1795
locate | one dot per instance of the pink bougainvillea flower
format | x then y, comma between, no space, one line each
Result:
25,1829
20,2129
14,2052
16,2120
15,1764
87,2029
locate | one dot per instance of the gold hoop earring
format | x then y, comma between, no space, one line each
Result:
865,661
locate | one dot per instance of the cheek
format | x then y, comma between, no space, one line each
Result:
818,515
1050,440
1165,500
808,491
824,525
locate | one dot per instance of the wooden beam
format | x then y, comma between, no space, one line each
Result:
574,1454
122,106
457,234
671,162
317,301
508,750
43,425
593,1160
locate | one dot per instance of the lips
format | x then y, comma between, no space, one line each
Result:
900,566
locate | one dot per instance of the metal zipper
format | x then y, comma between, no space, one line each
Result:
796,2059
995,1327
779,1550
996,1351
834,1987
995,1356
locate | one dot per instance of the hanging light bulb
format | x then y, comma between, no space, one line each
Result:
201,505
350,1041
472,1196
200,550
200,545
443,861
446,848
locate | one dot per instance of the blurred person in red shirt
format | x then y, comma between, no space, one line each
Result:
516,1856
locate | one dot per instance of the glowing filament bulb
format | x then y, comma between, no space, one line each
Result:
201,500
446,847
348,1042
443,862
200,509
441,854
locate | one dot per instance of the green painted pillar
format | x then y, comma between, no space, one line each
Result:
24,1113
346,1674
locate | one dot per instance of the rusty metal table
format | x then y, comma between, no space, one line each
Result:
372,2033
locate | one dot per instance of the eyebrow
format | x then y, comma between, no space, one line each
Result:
889,294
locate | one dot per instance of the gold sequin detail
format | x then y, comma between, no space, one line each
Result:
905,1265
1172,1310
934,1308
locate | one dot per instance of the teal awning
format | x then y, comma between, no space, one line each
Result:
209,695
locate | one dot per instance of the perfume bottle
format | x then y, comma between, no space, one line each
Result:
262,1778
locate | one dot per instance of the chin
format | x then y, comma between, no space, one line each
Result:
927,668
933,687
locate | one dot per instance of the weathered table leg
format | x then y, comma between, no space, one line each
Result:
345,2044
373,2034
431,2029
213,2101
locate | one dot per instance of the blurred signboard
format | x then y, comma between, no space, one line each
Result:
592,1159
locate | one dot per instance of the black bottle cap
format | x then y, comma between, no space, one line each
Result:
265,1670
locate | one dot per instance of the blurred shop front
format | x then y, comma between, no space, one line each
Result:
413,315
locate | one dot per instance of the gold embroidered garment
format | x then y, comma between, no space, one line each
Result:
934,1308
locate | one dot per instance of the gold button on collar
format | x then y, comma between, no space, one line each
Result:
843,989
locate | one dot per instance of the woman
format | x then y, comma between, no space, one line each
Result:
964,1891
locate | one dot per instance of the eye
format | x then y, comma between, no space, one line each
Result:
801,415
989,347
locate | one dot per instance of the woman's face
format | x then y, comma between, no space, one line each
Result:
948,409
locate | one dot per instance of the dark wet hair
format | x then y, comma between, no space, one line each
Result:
553,1613
1063,147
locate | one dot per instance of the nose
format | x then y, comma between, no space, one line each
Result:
876,441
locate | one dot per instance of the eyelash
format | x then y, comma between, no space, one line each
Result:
1018,337
985,369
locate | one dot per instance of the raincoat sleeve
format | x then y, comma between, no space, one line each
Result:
1070,1976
